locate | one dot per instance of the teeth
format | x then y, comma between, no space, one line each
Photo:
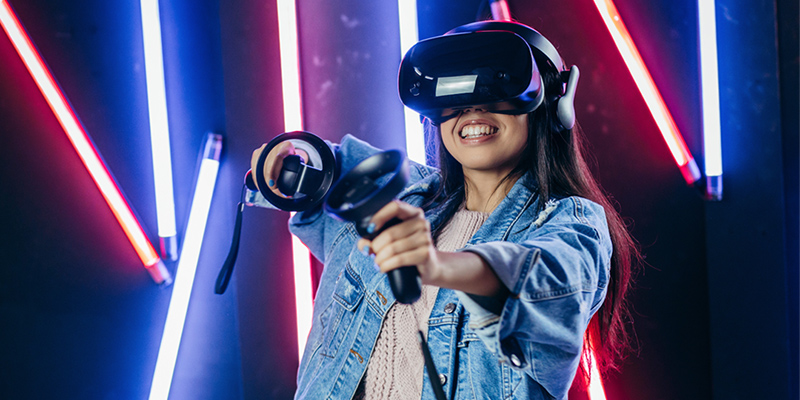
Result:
476,131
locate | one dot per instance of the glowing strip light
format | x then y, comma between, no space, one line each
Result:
187,267
159,126
652,97
415,139
303,296
596,390
500,11
293,121
290,66
80,141
710,85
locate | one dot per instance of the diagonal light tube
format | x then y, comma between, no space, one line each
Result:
82,144
187,268
159,128
647,87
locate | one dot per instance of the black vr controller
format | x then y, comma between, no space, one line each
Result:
304,182
364,190
356,197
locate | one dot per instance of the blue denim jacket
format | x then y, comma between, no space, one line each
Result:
554,259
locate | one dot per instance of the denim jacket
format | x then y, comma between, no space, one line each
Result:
553,258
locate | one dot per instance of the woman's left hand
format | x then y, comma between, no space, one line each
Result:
407,243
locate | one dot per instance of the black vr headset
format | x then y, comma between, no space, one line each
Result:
491,65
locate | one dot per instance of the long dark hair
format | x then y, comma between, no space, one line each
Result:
556,158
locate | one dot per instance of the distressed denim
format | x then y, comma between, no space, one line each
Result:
553,258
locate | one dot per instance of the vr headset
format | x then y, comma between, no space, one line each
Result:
492,65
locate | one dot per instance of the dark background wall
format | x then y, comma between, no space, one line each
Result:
715,309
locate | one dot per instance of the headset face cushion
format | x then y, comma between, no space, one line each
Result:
492,70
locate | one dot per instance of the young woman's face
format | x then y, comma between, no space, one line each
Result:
484,141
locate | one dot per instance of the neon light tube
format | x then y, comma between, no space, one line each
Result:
303,296
500,11
82,144
647,87
710,91
293,121
159,128
187,267
290,66
595,390
415,138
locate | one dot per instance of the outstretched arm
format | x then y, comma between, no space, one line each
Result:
411,243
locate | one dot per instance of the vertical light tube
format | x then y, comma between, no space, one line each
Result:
290,66
187,267
159,128
409,35
293,121
709,76
82,144
647,87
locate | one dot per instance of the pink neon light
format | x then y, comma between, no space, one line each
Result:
596,389
500,10
652,97
86,151
293,120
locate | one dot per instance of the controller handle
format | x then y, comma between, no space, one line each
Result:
404,281
357,196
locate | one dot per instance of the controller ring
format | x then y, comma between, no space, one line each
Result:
328,167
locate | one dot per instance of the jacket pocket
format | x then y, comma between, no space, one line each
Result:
337,319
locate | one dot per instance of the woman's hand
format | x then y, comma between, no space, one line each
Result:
410,243
407,243
274,163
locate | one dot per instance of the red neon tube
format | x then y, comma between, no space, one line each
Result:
652,97
80,140
595,388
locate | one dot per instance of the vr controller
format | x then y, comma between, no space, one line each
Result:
355,197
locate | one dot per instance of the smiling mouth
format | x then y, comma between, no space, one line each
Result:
476,131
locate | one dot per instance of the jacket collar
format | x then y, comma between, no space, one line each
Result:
519,199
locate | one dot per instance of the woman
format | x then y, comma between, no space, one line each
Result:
523,261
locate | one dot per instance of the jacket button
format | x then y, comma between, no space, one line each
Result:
449,308
516,360
443,378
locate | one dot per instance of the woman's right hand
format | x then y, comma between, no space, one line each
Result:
274,163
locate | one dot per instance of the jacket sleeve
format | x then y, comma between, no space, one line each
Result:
557,275
314,227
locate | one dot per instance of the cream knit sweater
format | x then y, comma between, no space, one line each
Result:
395,369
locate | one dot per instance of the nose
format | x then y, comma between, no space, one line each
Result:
471,109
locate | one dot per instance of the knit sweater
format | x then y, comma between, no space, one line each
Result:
395,369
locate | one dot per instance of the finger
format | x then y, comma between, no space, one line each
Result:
254,162
408,244
364,246
274,163
416,257
401,231
395,208
302,153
